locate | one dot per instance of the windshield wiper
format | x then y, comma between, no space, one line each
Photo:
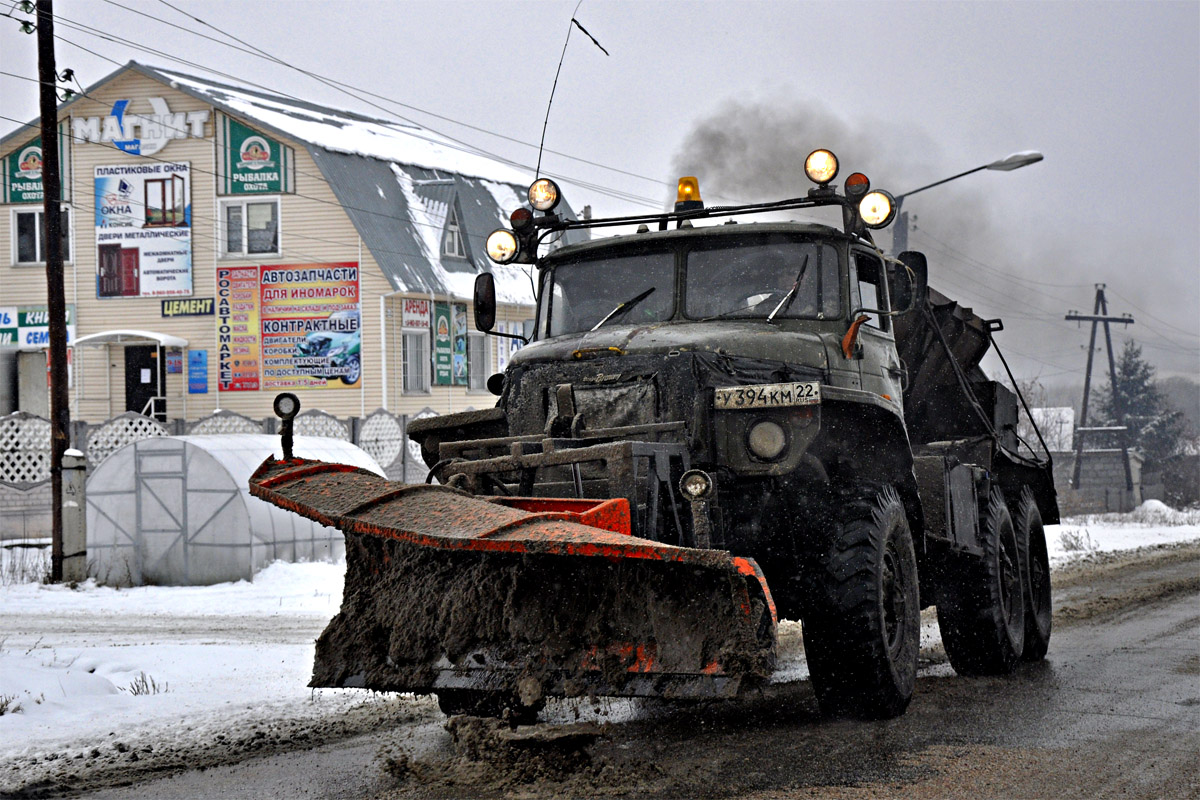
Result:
623,307
787,298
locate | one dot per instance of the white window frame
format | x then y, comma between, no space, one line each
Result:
452,238
37,210
243,201
477,343
427,373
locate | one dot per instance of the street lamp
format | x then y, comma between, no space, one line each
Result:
1006,164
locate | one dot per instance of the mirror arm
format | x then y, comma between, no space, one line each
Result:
507,335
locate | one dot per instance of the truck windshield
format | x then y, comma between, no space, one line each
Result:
750,280
726,277
583,294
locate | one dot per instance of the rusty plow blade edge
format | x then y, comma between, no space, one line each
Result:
536,595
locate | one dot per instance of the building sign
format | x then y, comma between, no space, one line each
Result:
174,362
415,314
289,327
197,372
238,350
251,163
443,346
191,307
311,326
28,327
23,170
141,134
460,344
143,230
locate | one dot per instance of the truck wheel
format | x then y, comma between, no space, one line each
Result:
981,606
1032,535
862,630
476,703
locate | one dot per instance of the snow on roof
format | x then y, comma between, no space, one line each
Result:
366,159
348,132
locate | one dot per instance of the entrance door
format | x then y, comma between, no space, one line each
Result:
143,375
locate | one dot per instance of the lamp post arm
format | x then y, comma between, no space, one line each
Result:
900,197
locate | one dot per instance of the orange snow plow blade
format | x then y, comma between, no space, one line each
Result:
541,596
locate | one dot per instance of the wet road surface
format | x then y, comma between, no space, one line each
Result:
1114,711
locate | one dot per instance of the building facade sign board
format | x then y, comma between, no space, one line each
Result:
197,374
289,327
28,327
443,346
141,134
143,230
415,314
23,170
249,162
191,307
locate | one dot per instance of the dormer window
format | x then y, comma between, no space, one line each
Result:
452,240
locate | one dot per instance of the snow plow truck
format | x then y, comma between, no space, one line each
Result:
711,427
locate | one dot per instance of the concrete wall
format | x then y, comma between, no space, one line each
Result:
1102,485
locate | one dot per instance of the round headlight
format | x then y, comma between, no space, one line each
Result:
286,405
544,194
821,166
502,246
767,440
696,484
877,209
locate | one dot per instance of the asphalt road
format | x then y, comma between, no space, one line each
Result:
1114,711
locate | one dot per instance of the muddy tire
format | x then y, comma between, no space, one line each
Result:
1038,610
862,629
475,703
981,610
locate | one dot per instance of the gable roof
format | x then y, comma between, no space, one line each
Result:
384,173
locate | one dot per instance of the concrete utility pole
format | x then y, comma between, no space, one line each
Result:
1100,316
56,305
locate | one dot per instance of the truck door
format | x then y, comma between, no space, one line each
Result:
880,365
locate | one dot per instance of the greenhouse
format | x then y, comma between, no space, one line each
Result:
177,510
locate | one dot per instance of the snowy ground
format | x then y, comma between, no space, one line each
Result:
98,668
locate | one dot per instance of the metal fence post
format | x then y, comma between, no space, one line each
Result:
74,516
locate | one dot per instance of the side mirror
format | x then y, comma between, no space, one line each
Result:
912,291
485,301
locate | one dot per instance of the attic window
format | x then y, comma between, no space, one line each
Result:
452,240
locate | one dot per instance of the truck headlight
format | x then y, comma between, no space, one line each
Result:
502,246
877,209
767,440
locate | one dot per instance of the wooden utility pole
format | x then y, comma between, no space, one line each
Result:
1100,316
56,305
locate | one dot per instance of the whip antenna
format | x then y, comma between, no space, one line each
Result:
574,24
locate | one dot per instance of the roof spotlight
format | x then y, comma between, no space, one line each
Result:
544,194
502,246
877,209
521,218
821,166
857,185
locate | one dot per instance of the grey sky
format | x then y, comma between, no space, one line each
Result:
912,92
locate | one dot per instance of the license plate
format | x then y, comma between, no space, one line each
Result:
769,395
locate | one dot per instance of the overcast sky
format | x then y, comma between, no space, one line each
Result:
738,93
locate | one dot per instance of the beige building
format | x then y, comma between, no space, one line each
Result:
225,244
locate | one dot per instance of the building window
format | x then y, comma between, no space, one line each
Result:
29,237
478,369
415,367
453,240
249,227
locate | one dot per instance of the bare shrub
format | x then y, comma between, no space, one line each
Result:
1076,540
143,684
